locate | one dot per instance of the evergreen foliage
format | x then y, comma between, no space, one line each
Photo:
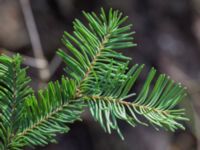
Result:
97,77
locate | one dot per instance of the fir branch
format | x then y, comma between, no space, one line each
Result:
13,91
155,105
101,71
92,49
98,78
48,115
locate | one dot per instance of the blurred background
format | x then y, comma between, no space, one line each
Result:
168,37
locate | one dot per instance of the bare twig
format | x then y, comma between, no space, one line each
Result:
27,60
35,40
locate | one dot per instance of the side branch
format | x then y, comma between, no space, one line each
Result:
93,62
121,101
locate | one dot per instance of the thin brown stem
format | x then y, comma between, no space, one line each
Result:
93,62
121,101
